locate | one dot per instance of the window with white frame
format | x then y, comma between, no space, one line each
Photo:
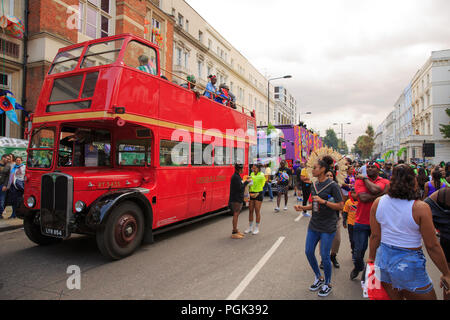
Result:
180,20
200,36
178,54
200,69
187,25
96,18
186,59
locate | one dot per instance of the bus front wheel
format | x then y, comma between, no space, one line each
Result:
122,233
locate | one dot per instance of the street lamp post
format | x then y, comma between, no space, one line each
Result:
342,128
268,95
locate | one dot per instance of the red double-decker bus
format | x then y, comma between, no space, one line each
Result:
118,152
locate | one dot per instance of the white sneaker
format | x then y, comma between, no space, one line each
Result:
285,208
256,230
249,230
277,209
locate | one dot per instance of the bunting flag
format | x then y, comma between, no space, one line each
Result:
8,105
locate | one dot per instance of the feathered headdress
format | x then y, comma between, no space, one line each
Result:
338,160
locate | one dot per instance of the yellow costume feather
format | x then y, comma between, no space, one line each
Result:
336,156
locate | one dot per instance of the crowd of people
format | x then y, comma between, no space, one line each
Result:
12,179
390,210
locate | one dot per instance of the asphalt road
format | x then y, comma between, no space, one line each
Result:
196,262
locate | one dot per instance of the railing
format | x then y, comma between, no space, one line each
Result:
251,112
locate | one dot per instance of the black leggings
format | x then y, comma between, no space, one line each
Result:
306,191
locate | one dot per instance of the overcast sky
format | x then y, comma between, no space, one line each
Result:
350,59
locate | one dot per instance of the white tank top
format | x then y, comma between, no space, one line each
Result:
398,227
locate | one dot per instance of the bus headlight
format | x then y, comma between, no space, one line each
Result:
31,202
80,206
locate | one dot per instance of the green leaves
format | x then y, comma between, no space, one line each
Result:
364,144
445,128
401,152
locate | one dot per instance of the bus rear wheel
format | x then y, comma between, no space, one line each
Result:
122,233
33,232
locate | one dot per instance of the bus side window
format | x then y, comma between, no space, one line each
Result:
239,155
173,153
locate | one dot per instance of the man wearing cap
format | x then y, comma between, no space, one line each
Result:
211,89
368,188
191,85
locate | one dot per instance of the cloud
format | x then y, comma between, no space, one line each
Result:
350,60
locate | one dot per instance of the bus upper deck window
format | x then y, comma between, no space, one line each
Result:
142,57
103,53
66,60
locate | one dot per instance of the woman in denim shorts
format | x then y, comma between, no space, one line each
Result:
399,223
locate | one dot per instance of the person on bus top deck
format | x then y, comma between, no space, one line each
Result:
223,95
147,65
190,84
211,90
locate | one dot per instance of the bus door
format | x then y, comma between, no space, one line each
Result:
201,179
173,182
222,172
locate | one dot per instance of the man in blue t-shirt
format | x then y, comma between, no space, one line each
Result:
211,89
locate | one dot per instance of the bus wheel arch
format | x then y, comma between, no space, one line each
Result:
122,231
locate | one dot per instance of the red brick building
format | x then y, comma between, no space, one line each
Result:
53,24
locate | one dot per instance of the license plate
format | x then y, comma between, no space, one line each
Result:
54,232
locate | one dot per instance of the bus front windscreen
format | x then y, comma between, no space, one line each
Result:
66,61
103,53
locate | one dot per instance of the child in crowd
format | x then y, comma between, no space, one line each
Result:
349,215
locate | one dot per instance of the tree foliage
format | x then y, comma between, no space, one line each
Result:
445,128
365,143
331,139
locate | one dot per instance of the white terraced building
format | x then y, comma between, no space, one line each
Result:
420,111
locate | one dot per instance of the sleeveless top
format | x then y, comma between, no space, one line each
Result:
398,227
432,189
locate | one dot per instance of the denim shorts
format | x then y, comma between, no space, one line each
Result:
404,269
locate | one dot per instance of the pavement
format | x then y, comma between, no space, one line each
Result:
195,262
9,224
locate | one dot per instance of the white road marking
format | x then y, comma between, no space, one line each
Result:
299,217
244,283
